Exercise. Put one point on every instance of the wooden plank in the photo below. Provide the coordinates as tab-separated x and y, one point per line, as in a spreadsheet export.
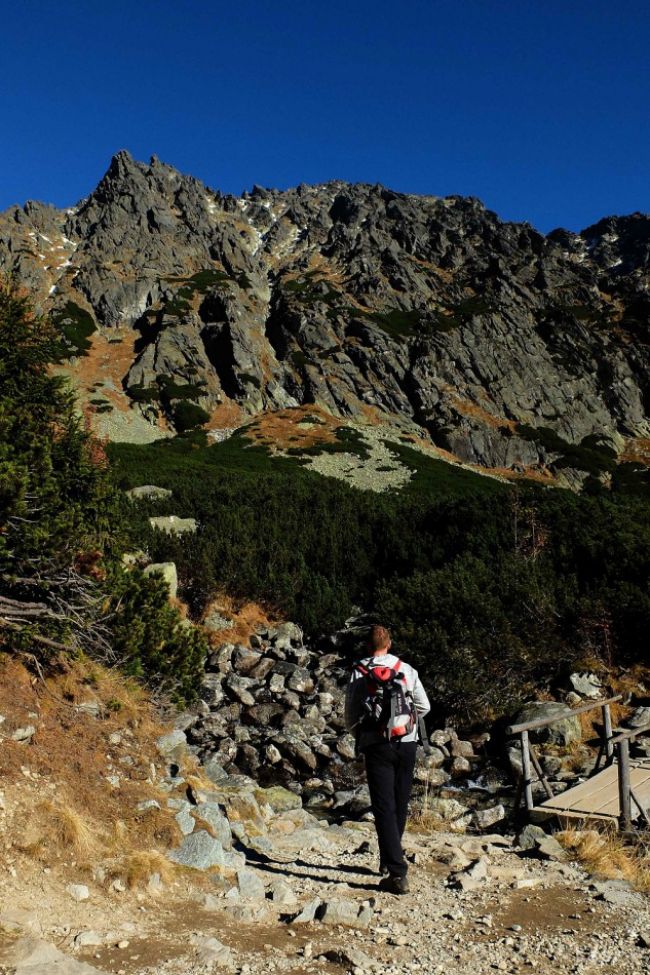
586	793
599	797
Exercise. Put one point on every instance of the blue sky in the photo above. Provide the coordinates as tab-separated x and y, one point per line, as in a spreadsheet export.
539	107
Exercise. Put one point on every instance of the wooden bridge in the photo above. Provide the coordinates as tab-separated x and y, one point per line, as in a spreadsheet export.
618	789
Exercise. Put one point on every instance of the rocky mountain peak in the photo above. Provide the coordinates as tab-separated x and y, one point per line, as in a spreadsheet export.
424	312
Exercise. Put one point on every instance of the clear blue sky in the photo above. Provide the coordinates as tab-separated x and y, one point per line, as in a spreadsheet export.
539	107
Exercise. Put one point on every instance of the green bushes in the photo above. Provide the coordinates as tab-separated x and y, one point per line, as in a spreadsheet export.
490	589
75	326
187	415
63	528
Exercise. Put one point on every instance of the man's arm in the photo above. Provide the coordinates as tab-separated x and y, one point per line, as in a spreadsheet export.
420	699
352	702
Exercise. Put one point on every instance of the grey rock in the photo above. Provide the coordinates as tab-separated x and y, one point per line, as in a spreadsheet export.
529	836
308	912
78	892
484	818
283	894
587	685
200	851
24	735
212	814
250	885
172	745
148	491
173	525
167	571
31	956
565	730
210	951
639	718
348	913
215	622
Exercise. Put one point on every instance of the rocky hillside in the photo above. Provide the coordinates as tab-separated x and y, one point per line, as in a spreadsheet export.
183	306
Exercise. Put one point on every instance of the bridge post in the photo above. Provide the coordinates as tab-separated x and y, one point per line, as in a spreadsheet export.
624	785
607	728
527	770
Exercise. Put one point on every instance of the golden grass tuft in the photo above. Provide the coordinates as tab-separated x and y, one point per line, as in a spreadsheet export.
605	854
66	829
138	867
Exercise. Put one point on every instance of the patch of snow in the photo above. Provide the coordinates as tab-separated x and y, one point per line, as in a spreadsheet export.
43	237
71	211
42	256
610	238
52	290
31	233
260	240
616	263
68	242
211	205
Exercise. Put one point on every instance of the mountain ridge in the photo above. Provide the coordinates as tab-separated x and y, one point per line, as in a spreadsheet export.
507	348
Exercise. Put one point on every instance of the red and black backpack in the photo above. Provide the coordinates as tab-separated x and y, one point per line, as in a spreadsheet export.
389	709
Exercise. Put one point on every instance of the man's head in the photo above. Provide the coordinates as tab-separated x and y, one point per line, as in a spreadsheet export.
378	640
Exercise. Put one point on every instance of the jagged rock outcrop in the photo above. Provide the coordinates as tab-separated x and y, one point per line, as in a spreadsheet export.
507	347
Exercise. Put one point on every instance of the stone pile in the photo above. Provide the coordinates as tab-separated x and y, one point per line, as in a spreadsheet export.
274	711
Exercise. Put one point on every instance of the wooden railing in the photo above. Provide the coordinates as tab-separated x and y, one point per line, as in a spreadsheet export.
610	746
529	759
626	795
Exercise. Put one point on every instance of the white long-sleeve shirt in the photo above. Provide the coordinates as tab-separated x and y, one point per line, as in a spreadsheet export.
356	695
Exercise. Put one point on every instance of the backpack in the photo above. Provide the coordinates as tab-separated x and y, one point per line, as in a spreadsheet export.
389	709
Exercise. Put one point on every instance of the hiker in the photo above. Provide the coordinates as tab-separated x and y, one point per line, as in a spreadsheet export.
385	706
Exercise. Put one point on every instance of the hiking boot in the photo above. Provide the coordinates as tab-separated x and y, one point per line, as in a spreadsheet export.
394	884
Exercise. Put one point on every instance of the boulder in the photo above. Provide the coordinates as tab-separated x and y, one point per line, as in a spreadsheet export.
484	818
564	731
250	885
78	892
151	492
308	912
586	685
168	573
214	622
172	746
200	851
348	913
173	525
282	894
212	814
32	956
278	798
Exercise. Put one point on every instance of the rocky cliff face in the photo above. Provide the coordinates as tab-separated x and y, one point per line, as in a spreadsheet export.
502	345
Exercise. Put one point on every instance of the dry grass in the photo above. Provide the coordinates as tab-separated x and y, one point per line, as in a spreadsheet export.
137	868
246	616
605	854
422	819
68	829
86	821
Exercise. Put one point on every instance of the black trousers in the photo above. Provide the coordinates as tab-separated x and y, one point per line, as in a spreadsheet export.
389	768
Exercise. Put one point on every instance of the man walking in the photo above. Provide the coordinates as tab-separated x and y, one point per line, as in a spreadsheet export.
384	707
